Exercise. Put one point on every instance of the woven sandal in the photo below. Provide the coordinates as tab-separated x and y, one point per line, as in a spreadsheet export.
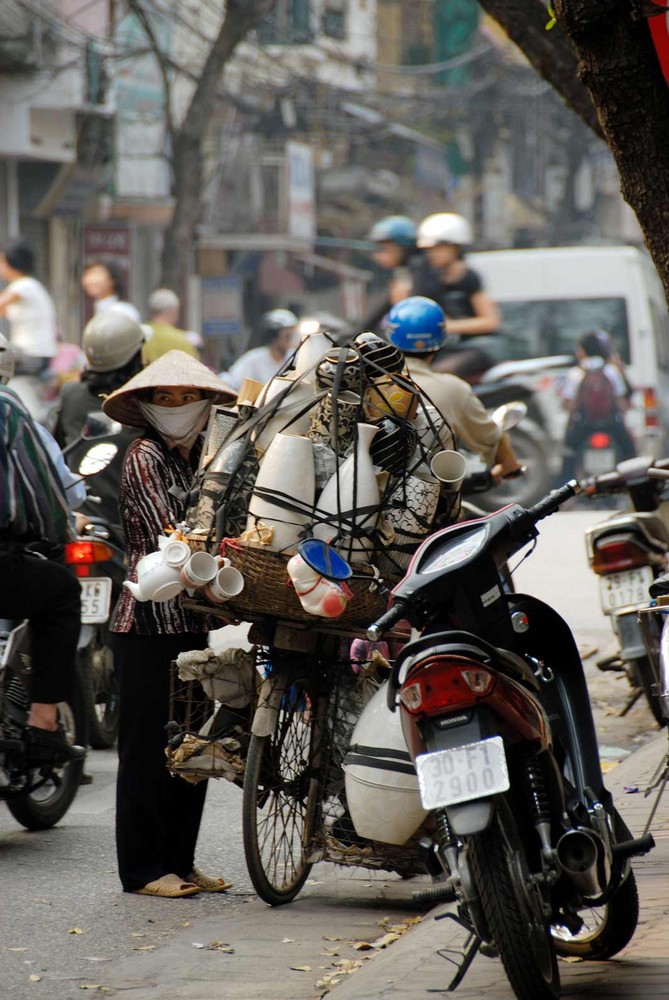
208	884
169	887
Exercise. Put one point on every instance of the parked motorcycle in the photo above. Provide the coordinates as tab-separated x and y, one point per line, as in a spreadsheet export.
37	797
98	559
628	551
497	721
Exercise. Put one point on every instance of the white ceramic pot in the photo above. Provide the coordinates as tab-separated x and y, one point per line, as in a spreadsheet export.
287	470
352	488
156	581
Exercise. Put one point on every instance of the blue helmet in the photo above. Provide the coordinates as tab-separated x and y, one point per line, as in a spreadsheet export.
394	229
416	325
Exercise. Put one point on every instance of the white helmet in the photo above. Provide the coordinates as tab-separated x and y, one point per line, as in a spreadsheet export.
444	227
7	361
110	340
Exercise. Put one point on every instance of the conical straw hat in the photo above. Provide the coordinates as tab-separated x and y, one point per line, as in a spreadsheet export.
174	368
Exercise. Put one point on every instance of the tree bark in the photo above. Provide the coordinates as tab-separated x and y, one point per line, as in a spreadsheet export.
618	64
188	142
550	52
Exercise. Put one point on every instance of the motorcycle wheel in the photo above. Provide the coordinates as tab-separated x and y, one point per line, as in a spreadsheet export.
282	791
527	489
46	806
98	680
609	928
513	908
645	676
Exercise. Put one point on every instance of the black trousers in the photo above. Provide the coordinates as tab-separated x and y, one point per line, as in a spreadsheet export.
49	596
157	815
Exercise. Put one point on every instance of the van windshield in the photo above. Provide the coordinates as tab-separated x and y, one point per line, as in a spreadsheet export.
531	329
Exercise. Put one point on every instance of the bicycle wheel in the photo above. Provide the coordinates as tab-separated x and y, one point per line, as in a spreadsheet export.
281	795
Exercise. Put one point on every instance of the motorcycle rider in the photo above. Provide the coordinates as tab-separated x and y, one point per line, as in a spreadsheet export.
34	512
417	326
277	332
472	316
395	251
112	343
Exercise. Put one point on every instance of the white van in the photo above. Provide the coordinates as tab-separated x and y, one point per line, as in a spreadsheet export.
550	296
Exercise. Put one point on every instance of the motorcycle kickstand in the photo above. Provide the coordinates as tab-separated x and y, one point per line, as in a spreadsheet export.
631	701
464	955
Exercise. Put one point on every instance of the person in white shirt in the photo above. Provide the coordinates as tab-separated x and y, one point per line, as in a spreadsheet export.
32	324
277	329
28	307
103	280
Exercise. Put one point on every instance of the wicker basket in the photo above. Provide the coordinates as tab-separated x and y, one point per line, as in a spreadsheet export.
268	592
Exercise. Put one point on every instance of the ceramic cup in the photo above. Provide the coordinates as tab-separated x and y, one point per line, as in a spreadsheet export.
199	570
227	583
450	468
249	391
410	511
391	396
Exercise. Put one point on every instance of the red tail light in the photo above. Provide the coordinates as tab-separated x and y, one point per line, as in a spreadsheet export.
445	683
83	553
617	553
599	440
650	407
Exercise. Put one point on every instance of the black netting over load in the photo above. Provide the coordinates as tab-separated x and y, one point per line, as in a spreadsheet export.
339	446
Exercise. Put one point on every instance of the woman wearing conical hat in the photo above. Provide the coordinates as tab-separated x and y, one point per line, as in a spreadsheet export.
157	816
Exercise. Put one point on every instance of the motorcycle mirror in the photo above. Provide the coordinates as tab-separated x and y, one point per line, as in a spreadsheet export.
97	459
509	415
98	424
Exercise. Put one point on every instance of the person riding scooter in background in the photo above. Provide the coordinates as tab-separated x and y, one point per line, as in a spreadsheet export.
395	251
418	327
277	331
34	513
473	318
595	394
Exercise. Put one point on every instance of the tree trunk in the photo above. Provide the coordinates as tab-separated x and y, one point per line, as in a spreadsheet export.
550	52
188	142
619	66
614	61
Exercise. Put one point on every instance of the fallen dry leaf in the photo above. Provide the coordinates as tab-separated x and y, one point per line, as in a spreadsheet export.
361	945
300	968
35	979
144	947
186	923
329	952
139	933
76	930
387	939
326	938
17	949
288	941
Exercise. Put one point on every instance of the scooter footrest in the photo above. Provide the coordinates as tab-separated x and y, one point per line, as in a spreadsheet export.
631	848
444	893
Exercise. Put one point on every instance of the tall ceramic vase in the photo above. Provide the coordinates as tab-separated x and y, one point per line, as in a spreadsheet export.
289	413
286	474
310	351
352	489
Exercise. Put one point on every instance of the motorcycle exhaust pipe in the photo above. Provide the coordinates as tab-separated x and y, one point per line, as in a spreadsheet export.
581	856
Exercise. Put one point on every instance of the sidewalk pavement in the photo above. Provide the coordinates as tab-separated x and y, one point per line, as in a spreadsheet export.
307	949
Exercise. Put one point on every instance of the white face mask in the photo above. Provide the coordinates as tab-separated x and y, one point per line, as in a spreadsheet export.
179	424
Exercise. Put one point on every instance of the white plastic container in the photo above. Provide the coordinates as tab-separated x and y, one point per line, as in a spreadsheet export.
381	784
